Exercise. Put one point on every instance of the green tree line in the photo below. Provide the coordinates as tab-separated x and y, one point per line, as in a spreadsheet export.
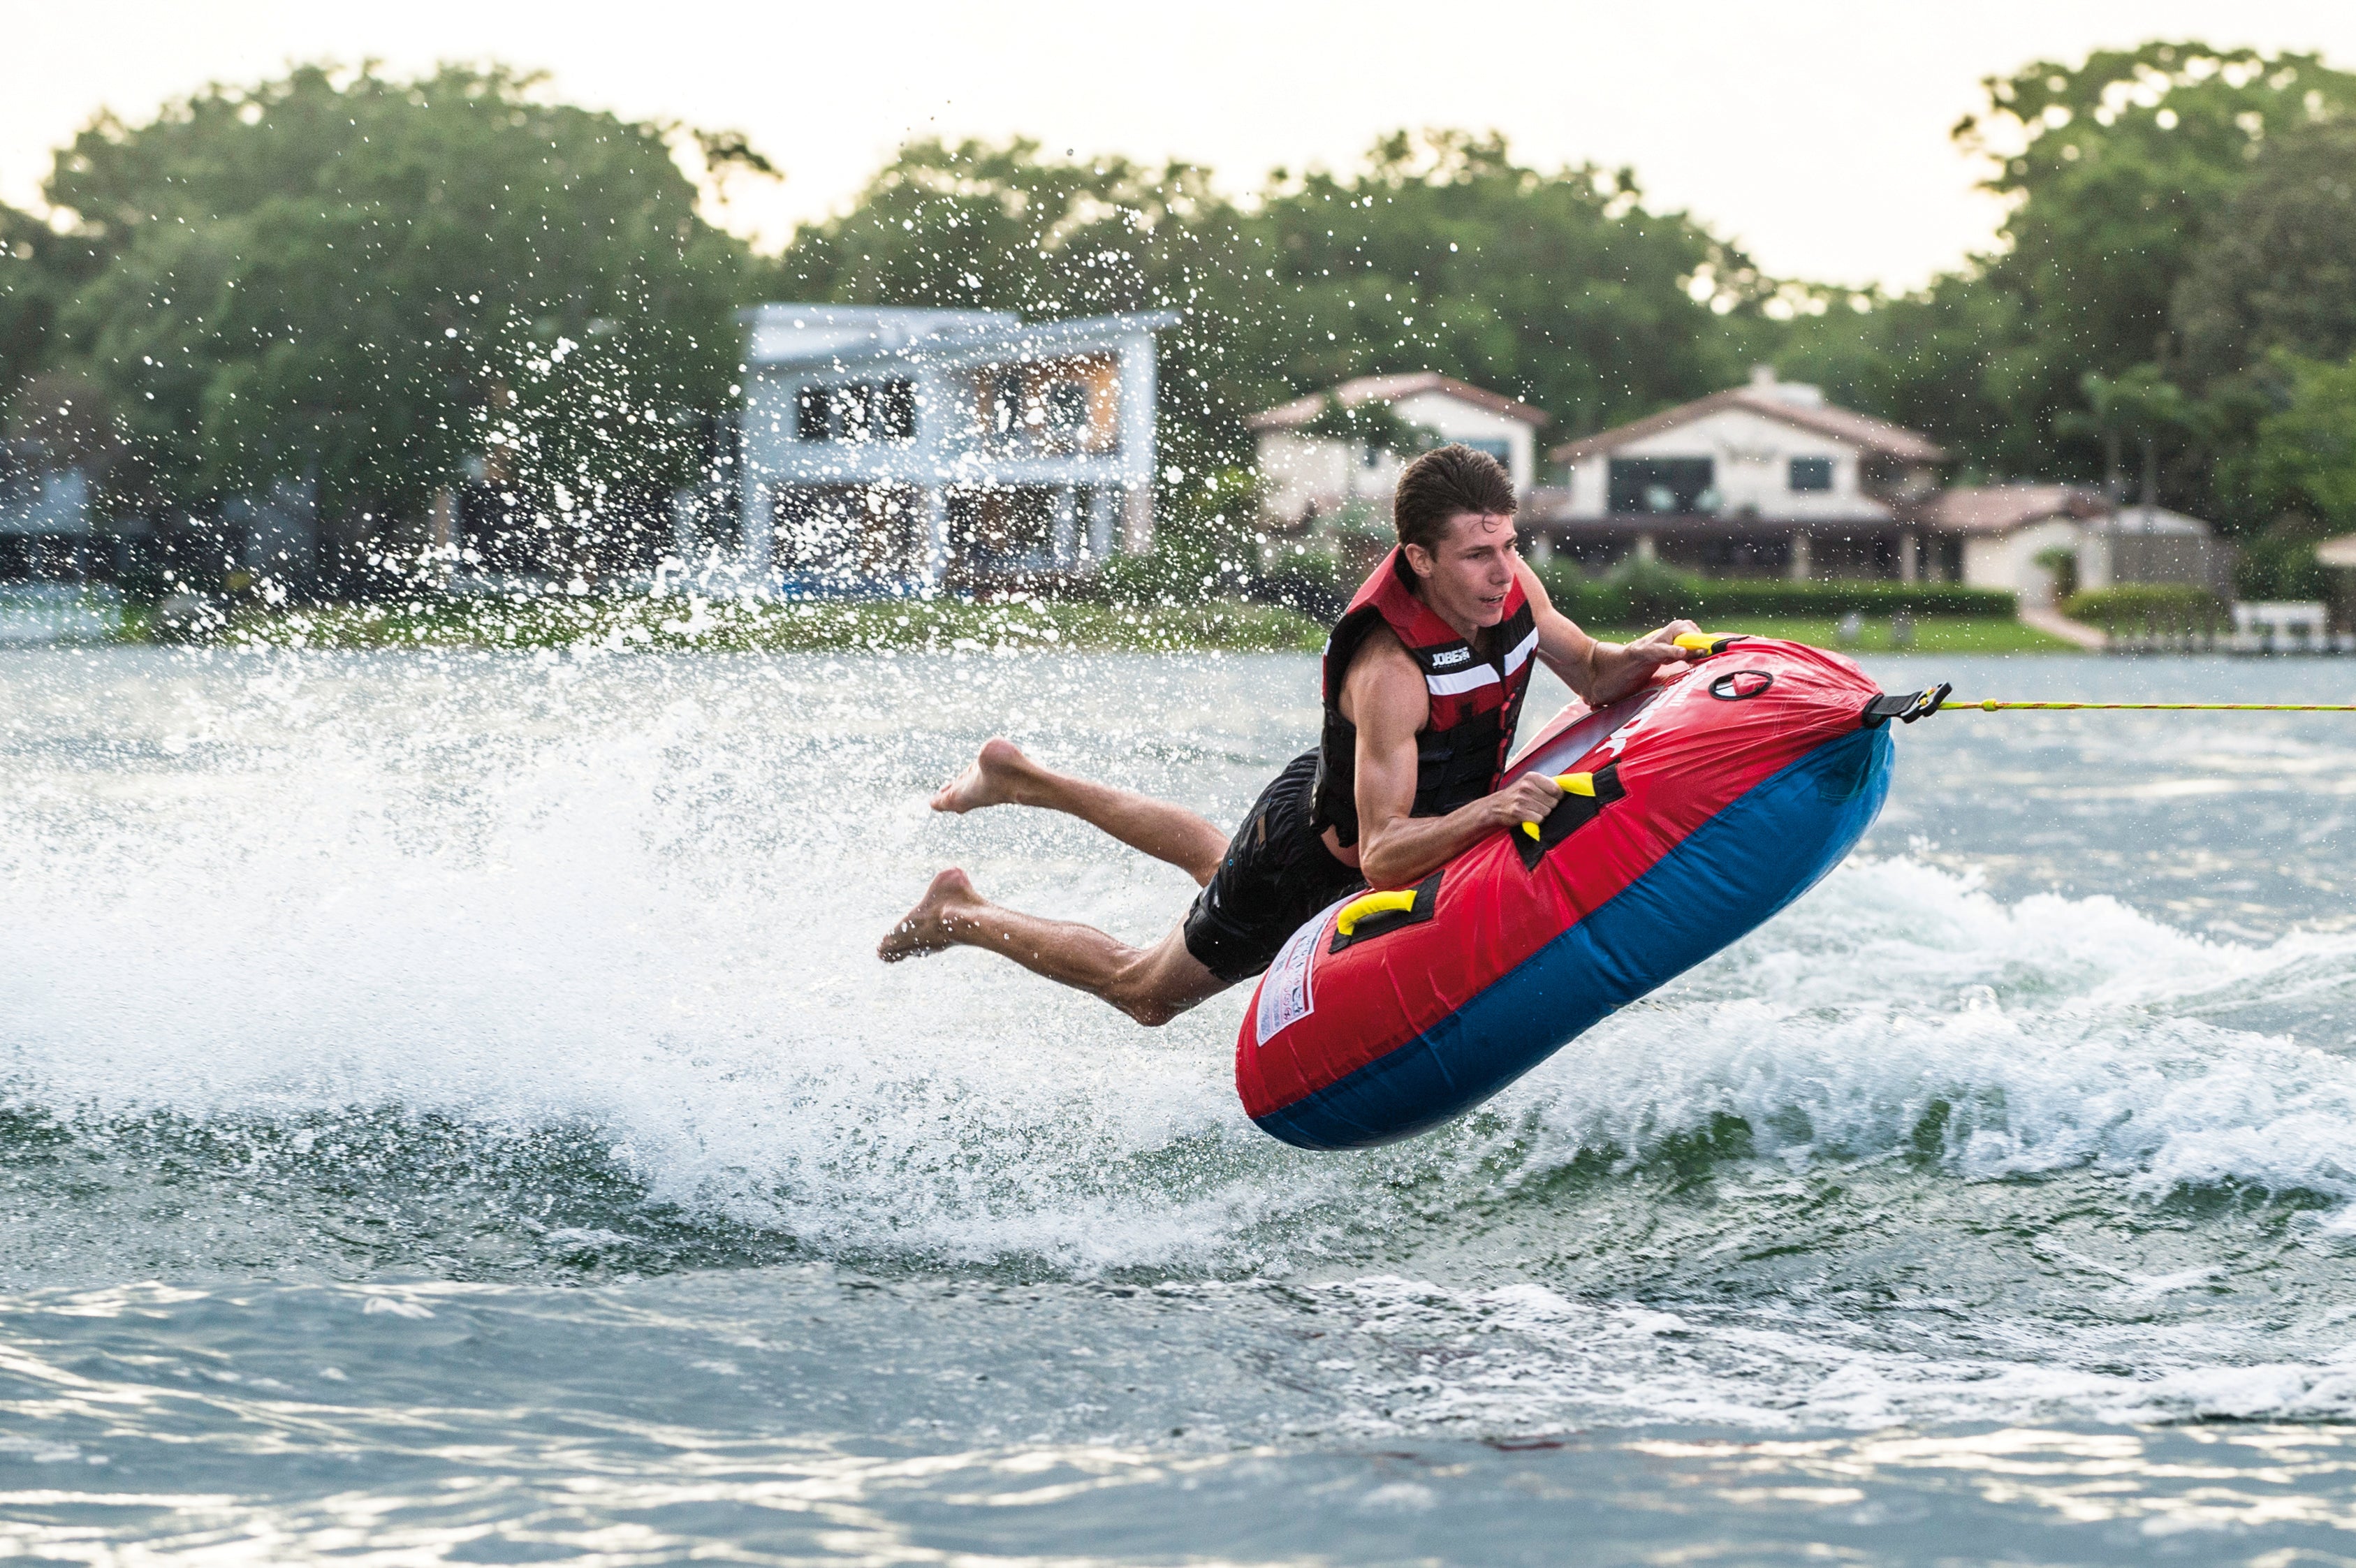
383	284
368	284
1439	252
2171	293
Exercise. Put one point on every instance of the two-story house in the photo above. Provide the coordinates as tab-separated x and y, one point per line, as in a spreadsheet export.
894	449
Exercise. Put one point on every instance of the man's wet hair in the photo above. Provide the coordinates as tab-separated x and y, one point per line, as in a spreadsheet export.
1446	483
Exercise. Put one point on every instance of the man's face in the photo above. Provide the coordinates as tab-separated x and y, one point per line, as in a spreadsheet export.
1467	578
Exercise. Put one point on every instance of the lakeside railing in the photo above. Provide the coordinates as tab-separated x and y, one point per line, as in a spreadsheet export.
2166	631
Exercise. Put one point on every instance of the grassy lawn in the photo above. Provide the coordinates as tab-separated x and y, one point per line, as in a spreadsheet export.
1933	634
736	625
722	626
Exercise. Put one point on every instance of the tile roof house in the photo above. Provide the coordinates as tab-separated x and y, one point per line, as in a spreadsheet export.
1787	402
1770	479
1765	478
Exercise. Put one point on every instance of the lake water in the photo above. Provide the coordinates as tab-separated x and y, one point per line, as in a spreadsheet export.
449	1112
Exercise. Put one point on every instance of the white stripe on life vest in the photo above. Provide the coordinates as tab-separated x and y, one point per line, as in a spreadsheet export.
1521	651
1462	680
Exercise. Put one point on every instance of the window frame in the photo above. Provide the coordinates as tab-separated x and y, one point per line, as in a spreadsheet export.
1829	468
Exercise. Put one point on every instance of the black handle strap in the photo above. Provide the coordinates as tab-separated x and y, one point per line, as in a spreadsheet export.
1570	814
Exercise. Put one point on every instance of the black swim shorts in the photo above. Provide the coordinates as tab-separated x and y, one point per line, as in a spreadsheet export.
1278	873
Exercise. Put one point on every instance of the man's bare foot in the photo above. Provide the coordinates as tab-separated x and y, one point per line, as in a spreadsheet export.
993	779
927	927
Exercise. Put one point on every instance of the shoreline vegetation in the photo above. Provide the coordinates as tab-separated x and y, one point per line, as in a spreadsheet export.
688	624
691	623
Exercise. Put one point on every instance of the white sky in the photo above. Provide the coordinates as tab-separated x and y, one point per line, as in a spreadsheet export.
1813	132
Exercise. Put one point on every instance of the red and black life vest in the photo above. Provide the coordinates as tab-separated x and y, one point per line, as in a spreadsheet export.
1461	750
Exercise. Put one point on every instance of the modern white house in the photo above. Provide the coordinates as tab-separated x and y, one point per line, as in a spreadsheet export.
1308	474
1765	479
886	449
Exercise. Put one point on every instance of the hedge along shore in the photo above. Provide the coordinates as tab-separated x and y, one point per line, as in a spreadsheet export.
692	624
723	625
1932	634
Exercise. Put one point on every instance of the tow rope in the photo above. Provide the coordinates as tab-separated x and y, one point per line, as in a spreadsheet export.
1909	706
1990	705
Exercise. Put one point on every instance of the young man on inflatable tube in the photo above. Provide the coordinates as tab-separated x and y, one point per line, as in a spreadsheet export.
1423	681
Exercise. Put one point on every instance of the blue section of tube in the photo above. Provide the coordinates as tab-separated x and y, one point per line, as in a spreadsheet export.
1730	875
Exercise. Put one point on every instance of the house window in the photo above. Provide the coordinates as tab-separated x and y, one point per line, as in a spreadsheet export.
1812	474
856	411
810	413
895	411
1496	447
1671	485
853	409
1005	404
1068	411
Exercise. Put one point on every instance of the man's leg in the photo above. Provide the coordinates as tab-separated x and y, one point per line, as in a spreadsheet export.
1152	984
1002	775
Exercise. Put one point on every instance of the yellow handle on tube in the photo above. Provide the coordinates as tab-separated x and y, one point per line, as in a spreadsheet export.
1705	643
1358	909
1570	783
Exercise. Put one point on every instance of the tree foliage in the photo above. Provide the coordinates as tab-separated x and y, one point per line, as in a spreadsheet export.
351	277
1563	288
2118	168
40	270
1920	359
2277	274
2130	273
1440	251
374	281
2303	456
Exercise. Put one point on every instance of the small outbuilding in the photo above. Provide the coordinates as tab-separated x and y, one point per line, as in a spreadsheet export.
1995	534
2139	543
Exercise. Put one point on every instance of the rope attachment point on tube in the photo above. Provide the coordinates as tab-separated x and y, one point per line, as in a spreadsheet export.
1906	706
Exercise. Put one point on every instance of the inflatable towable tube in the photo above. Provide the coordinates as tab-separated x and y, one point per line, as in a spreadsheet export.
1693	811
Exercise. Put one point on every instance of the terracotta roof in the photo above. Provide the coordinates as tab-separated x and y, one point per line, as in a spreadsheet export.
1390	390
2000	508
1841	424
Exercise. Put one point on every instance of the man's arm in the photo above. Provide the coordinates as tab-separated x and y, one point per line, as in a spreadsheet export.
1600	672
1388	702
